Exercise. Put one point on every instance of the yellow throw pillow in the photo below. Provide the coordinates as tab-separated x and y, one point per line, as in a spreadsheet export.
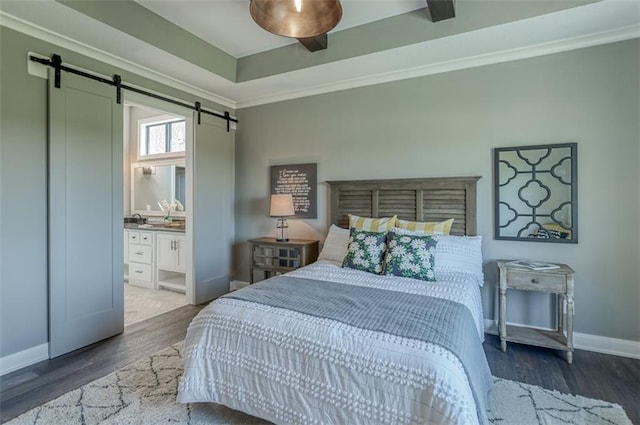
369	224
428	228
557	228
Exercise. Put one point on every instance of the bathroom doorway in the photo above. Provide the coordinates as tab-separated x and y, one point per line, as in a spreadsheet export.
157	278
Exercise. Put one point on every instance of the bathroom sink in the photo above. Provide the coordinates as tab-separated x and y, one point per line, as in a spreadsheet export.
135	220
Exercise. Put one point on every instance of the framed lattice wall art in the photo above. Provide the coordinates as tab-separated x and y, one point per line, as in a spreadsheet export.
536	191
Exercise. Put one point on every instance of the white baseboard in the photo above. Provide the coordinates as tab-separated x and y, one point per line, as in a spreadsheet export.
606	345
588	342
237	284
23	358
595	343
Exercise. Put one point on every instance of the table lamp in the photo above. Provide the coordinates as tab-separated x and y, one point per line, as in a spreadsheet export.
281	207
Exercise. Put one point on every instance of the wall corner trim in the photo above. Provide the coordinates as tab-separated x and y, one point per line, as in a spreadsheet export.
588	342
23	358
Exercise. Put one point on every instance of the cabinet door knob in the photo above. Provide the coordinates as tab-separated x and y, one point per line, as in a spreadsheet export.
139	253
534	280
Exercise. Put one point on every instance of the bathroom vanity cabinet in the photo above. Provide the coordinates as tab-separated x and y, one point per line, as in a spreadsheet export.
171	261
155	259
141	249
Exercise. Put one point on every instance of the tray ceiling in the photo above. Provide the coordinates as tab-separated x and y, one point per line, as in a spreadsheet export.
214	50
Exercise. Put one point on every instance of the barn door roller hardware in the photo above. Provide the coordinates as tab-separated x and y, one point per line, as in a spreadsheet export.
56	63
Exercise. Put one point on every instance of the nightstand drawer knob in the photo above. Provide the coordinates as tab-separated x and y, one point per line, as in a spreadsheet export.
534	280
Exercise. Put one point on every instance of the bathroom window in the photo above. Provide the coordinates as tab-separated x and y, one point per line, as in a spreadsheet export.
163	137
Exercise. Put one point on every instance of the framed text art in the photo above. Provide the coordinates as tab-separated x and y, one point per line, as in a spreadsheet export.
301	181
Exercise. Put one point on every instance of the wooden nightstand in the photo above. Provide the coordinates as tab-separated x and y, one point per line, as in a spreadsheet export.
273	257
555	281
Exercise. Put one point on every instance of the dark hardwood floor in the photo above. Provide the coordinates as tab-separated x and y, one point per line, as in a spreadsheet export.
36	384
594	375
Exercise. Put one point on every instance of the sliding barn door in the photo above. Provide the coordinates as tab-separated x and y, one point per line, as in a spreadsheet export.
213	195
85	214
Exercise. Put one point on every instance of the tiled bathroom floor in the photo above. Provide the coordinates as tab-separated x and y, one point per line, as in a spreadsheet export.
142	303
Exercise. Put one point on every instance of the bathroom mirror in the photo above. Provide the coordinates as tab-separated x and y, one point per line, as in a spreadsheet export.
153	183
536	193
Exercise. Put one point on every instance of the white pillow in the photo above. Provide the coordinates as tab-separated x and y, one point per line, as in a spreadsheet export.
455	254
461	254
335	245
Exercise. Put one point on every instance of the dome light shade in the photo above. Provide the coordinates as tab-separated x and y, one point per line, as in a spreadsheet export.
296	18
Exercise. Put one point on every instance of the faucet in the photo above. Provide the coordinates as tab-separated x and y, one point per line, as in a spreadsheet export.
139	218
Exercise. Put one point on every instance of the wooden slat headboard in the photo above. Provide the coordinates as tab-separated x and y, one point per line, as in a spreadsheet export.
425	199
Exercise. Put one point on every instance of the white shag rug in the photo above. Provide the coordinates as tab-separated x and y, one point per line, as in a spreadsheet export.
144	393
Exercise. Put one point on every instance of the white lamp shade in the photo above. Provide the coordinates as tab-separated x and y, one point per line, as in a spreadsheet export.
281	205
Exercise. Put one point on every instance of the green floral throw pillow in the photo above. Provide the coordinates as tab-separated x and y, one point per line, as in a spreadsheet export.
411	256
365	251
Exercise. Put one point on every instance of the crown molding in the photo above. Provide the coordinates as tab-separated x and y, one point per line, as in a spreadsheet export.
558	46
44	34
573	43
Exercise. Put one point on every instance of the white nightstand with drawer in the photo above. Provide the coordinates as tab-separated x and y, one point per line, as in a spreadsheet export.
554	281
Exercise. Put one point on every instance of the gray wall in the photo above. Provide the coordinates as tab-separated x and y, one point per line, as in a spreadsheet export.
432	126
23	185
447	125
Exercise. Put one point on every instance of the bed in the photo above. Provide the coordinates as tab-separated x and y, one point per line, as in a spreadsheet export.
331	345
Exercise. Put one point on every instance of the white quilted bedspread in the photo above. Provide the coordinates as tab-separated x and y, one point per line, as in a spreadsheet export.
291	368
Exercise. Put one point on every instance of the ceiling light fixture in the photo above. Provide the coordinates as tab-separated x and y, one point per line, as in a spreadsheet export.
296	18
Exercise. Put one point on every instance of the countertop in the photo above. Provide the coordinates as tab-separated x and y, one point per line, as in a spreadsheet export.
155	227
